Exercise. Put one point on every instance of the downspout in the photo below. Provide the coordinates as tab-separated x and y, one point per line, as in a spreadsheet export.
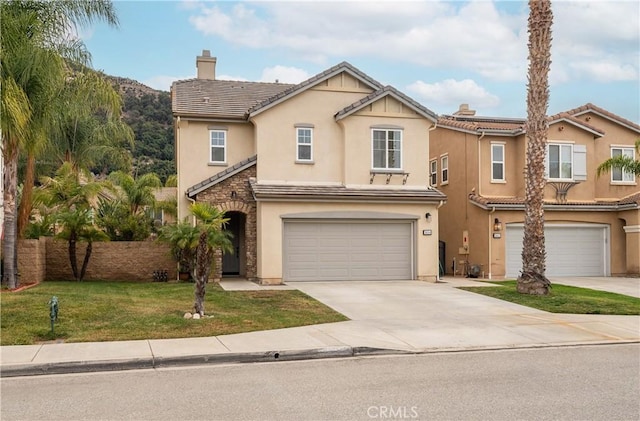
493	209
480	165
442	202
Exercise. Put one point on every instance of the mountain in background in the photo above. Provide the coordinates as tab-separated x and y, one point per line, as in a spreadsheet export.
148	112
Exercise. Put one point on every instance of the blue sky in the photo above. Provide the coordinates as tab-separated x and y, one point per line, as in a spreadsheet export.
441	53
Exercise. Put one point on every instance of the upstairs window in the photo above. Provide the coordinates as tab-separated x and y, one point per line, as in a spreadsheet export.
433	172
218	139
560	161
387	149
444	166
304	144
497	162
617	175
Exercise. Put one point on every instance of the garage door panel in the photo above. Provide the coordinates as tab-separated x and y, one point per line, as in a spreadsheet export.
571	250
347	251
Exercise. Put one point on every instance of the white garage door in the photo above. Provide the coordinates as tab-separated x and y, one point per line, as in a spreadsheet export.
572	250
359	251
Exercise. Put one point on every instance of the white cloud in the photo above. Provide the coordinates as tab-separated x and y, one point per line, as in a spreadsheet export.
284	74
451	93
485	38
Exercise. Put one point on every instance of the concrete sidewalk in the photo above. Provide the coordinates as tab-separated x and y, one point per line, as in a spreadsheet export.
386	317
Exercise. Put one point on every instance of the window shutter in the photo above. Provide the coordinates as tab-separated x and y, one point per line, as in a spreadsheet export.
579	162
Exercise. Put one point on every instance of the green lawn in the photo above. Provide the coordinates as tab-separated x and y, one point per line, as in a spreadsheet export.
565	299
117	311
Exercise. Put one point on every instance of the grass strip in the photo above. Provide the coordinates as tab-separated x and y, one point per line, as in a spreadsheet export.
565	299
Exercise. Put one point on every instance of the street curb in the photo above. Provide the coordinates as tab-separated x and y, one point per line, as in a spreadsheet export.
26	370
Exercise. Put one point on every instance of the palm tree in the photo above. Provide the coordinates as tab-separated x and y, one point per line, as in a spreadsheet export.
137	193
532	280
621	162
77	225
69	198
35	42
183	240
74	132
212	236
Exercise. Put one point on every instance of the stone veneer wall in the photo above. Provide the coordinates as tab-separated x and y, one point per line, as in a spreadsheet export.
220	195
110	261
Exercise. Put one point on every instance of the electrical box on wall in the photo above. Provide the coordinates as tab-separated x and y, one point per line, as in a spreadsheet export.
465	243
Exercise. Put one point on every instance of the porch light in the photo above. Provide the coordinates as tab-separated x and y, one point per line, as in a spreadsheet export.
428	216
497	225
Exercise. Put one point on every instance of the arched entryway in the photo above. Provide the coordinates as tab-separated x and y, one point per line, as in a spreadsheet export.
235	263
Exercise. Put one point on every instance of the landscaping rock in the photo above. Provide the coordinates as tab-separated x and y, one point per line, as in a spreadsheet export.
187	315
196	316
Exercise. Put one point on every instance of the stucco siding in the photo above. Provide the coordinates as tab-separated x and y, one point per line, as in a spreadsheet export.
276	137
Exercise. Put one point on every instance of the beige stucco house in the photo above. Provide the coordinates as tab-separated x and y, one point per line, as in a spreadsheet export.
592	224
323	180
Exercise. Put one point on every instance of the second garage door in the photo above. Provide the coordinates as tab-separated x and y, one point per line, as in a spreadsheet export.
358	251
572	250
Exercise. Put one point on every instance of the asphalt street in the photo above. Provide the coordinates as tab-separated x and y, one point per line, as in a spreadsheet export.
600	382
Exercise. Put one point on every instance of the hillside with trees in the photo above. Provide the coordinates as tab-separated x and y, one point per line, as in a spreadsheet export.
148	112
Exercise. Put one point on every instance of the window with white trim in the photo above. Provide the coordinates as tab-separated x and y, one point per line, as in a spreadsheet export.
617	174
386	149
304	144
433	172
497	162
218	143
444	168
560	161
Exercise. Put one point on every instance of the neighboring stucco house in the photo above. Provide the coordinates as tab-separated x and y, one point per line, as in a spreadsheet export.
592	224
323	180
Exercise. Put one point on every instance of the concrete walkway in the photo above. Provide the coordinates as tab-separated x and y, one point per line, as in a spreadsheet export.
386	317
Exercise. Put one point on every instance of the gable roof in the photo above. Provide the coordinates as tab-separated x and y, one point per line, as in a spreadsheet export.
312	81
381	93
499	126
220	98
590	108
221	176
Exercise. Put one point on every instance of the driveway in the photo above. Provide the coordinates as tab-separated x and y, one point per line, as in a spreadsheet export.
413	315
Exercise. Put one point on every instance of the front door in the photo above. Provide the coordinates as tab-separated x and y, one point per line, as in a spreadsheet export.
231	261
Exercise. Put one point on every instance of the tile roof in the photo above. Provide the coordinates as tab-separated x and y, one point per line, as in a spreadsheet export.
517	203
324	192
302	86
221	176
220	98
575	121
381	93
589	107
508	126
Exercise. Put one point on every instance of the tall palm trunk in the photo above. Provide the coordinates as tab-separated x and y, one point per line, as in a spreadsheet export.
73	258
204	257
9	251
85	262
532	279
26	202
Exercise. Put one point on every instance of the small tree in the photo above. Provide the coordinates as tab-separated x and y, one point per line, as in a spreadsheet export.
77	225
183	240
212	236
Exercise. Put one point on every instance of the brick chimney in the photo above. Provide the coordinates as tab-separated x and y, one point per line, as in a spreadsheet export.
465	111
206	66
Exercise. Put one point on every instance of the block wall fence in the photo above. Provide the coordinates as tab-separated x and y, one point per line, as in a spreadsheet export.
47	259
